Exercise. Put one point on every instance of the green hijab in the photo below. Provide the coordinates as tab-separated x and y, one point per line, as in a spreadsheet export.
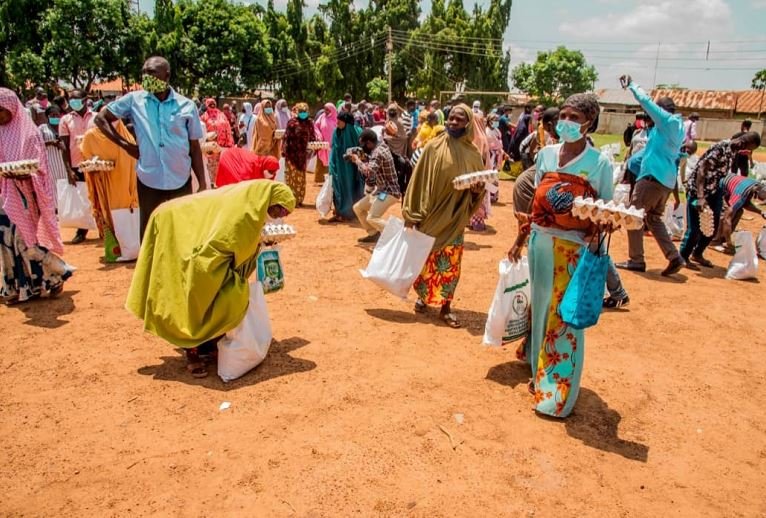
431	202
191	279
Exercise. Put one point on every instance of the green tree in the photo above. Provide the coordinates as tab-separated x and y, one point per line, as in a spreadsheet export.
222	48
85	39
377	89
555	75
20	40
25	67
759	83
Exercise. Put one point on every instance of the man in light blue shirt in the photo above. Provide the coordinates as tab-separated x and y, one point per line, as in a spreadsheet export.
656	179
168	129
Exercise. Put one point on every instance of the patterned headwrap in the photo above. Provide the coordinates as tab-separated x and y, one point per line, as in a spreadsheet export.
301	107
29	202
587	104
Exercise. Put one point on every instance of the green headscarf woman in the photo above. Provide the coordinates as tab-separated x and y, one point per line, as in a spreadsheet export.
191	280
434	206
347	183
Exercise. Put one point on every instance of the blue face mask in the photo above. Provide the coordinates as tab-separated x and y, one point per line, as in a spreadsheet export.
76	104
268	111
496	124
456	133
53	121
569	131
303	115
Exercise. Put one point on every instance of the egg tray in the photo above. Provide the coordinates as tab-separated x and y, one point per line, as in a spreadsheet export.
277	233
279	134
318	145
707	222
468	180
19	168
95	165
608	213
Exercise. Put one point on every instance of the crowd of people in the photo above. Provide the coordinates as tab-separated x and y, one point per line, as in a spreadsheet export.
191	282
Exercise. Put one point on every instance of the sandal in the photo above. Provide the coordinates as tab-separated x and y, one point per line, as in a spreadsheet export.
420	306
451	320
197	369
531	386
702	261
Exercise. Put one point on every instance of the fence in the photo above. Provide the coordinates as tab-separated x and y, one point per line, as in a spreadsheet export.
707	129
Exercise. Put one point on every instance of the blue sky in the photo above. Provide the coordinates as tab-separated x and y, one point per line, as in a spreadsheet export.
622	36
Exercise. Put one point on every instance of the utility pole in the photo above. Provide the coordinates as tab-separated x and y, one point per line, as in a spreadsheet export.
389	60
656	62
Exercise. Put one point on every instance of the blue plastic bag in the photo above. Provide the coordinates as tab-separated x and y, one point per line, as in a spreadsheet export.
583	299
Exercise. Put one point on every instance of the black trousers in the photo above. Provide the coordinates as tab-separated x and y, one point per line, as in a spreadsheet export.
149	199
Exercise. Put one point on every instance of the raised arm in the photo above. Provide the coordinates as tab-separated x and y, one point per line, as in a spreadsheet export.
658	115
104	121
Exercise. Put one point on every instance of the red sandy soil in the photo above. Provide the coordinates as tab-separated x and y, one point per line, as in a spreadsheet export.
344	417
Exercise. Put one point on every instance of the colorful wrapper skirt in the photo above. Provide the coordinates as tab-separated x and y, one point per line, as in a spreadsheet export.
438	280
296	181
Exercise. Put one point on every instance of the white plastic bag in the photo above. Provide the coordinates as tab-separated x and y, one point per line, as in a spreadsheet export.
324	198
618	172
311	165
398	257
127	223
245	347
280	177
761	243
622	194
509	316
74	206
675	220
744	265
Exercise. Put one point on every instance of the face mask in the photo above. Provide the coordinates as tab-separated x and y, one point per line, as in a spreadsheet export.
303	116
569	131
684	155
496	124
76	104
285	110
54	121
153	85
392	115
268	111
456	133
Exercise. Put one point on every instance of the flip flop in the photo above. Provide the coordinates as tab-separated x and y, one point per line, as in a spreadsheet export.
420	307
197	369
451	320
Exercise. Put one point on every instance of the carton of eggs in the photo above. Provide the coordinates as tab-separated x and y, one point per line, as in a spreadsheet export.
210	147
707	222
279	134
95	165
318	145
276	233
19	168
608	213
468	180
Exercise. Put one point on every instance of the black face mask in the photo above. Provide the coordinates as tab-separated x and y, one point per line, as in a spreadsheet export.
456	133
392	115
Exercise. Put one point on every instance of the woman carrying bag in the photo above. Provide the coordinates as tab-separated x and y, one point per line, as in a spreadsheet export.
557	242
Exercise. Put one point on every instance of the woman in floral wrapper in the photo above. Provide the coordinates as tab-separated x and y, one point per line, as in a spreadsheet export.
564	171
299	132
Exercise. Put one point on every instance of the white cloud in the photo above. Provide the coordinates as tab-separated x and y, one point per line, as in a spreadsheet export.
759	4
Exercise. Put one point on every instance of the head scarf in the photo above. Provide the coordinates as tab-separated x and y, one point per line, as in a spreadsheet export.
216	121
587	104
480	137
347	183
302	107
431	201
191	281
346	117
265	124
248	108
239	165
325	126
299	133
282	118
29	202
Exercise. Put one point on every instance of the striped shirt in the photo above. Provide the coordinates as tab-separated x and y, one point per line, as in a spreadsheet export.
738	190
56	167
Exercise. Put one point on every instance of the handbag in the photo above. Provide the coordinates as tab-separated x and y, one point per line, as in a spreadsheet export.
583	300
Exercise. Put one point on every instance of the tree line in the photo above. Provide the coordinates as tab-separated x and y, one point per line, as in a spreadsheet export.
222	48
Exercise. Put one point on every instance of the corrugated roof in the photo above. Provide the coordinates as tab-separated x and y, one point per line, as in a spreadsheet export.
112	86
699	99
749	101
616	96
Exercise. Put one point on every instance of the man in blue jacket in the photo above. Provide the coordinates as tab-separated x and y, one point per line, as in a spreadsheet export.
656	180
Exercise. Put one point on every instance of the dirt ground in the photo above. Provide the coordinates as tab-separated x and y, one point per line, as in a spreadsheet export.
344	417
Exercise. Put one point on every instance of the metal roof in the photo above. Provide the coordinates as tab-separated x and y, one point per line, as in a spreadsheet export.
616	96
750	101
699	99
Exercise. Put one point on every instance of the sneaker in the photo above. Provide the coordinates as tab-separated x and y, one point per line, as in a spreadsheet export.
612	303
370	239
627	265
674	267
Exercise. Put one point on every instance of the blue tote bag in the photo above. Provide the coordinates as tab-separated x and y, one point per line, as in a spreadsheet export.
583	299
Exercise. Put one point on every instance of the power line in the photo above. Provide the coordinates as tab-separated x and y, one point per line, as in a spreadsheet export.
356	48
336	60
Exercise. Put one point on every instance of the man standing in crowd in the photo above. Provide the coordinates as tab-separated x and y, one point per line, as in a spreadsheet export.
381	185
410	122
705	189
168	130
690	128
744	159
656	180
72	127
